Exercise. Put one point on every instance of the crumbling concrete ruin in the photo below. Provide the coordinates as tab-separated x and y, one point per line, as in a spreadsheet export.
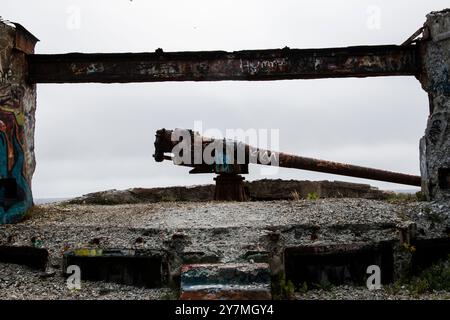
435	80
17	108
225	249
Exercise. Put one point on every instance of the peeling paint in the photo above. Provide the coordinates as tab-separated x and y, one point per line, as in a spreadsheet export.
17	105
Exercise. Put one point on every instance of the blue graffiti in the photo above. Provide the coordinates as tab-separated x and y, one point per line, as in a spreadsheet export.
222	163
15	212
442	86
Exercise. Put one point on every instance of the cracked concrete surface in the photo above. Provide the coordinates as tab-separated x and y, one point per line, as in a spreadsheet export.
217	232
226	230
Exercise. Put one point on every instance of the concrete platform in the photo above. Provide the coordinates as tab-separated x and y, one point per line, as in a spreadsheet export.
230	232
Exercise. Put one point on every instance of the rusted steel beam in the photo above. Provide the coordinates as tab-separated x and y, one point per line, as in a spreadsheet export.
277	64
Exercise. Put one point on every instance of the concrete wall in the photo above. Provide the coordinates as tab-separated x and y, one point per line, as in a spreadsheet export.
435	145
17	107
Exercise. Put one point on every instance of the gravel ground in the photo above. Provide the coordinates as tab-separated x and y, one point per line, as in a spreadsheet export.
224	229
362	293
176	215
20	282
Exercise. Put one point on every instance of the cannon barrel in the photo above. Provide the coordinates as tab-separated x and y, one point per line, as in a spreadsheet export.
296	162
164	143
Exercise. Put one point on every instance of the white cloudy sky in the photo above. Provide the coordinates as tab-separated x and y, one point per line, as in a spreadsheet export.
93	137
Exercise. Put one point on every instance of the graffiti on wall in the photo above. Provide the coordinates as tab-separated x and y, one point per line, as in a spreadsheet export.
15	192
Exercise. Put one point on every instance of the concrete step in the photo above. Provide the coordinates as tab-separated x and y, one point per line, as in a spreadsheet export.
140	268
25	255
229	281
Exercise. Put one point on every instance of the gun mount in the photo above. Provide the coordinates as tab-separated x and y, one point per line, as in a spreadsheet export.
229	159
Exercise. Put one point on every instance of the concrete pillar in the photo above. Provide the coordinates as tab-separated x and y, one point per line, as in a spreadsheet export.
17	108
435	145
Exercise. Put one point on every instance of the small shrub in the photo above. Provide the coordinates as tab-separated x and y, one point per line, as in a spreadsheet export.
303	289
418	286
436	277
420	196
409	248
312	196
402	197
324	285
171	295
394	288
295	196
168	198
285	288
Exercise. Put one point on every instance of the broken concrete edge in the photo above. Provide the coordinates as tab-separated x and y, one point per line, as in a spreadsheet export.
435	80
265	189
17	109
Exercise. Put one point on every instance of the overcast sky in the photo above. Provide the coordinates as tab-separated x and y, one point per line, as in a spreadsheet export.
92	137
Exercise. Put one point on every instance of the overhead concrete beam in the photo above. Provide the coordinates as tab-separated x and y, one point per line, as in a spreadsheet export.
278	64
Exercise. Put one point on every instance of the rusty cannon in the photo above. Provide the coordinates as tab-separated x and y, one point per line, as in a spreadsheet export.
229	159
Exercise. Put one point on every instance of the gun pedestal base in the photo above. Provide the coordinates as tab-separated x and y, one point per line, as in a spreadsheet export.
230	187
